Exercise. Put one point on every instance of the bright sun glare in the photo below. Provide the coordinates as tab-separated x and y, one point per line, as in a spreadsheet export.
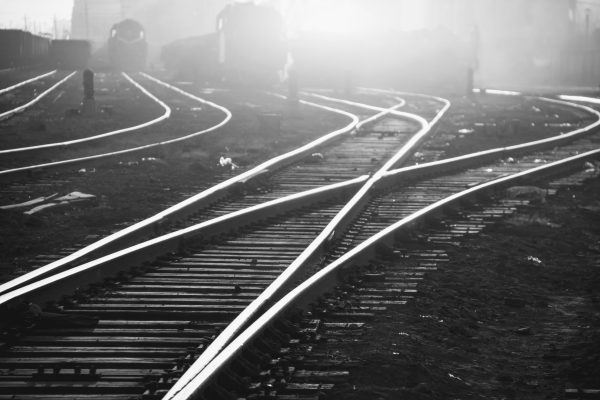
331	19
349	17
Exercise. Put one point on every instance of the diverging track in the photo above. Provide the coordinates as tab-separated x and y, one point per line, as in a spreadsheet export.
348	155
167	323
416	203
232	269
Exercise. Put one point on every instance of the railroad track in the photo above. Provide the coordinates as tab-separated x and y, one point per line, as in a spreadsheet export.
49	81
13	169
264	245
286	185
14	86
247	260
249	358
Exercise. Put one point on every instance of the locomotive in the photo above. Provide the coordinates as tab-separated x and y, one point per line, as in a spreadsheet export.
247	47
127	47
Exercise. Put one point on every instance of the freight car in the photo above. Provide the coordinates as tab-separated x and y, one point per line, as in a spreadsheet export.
127	47
246	48
21	49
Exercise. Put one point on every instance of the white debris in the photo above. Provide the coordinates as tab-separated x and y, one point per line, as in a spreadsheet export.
75	196
534	260
589	167
227	161
454	376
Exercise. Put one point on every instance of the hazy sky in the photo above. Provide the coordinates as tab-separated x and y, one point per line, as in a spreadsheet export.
38	11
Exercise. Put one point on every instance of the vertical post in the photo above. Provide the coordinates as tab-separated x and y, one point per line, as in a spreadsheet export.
470	81
88	84
89	104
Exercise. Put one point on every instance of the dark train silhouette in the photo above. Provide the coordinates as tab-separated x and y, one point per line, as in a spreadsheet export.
22	49
127	47
247	48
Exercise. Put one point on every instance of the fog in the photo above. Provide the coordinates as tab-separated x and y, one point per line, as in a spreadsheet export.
414	43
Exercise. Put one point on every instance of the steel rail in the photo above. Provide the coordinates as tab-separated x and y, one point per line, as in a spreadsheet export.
71	280
25	82
68	281
328	277
166	114
415	140
460	162
121	238
187	207
584	99
114	240
186	388
370	107
314	250
361	125
10	113
129	150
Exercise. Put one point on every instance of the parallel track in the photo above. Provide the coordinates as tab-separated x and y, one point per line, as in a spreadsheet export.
208	282
339	156
374	228
241	266
4	114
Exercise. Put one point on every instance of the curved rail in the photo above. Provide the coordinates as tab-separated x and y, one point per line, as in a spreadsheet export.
25	82
374	108
165	115
314	250
326	278
361	125
10	113
11	289
187	206
131	149
70	280
584	99
465	160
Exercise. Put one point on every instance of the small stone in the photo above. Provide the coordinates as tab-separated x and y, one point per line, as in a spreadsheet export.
525	331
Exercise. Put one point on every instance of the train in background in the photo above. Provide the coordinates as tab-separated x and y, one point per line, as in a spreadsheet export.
247	47
127	47
22	49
